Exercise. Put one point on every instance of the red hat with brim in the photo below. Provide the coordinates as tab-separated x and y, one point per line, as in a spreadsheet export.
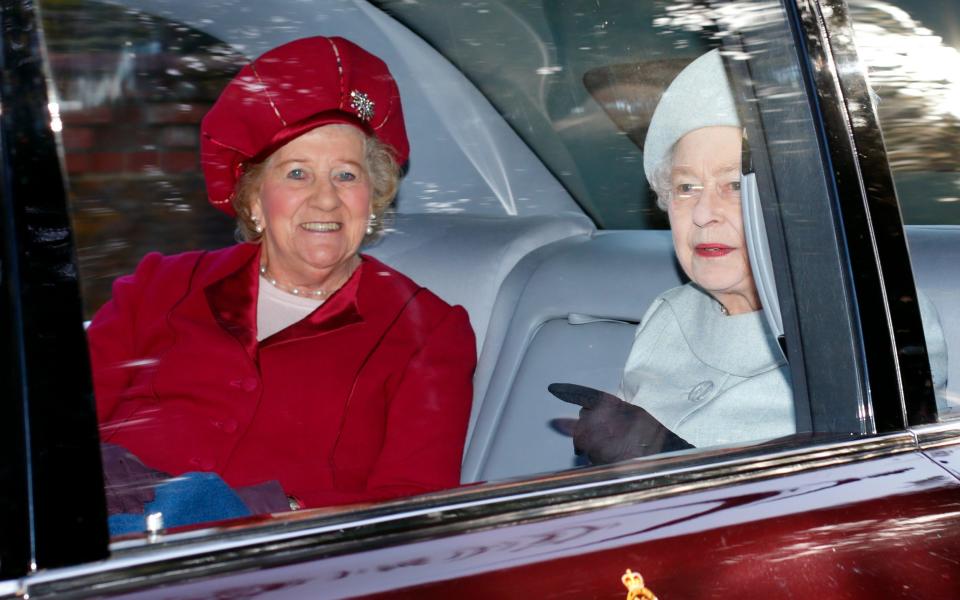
285	93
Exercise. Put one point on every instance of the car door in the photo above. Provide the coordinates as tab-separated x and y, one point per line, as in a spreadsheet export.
860	503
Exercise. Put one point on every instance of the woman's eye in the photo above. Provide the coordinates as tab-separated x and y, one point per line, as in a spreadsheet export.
345	176
688	189
731	190
297	173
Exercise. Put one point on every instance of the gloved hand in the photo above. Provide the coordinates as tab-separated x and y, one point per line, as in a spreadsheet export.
264	498
610	430
128	483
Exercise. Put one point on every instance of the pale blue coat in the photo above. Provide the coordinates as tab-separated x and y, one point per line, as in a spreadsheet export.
717	379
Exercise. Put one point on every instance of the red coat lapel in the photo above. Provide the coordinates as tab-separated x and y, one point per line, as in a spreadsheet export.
340	310
230	286
231	282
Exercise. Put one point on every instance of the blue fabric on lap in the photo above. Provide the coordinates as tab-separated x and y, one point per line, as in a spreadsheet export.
191	498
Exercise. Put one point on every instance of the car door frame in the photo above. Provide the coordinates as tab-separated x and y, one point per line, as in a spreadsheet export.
866	278
52	478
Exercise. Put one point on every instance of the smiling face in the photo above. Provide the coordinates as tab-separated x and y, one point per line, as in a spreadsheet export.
314	203
706	218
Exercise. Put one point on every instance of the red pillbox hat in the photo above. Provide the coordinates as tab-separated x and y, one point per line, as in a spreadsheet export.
288	91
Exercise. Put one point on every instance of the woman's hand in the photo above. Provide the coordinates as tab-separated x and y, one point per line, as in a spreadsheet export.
265	498
610	430
129	484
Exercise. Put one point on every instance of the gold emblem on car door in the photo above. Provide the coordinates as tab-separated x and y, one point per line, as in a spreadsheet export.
635	588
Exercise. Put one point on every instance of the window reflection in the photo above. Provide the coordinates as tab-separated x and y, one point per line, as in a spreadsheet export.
912	52
578	80
131	90
916	73
558	72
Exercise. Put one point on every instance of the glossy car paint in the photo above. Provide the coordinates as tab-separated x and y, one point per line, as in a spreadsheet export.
798	536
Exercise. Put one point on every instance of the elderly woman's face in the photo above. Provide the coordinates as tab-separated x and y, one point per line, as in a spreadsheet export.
314	203
706	218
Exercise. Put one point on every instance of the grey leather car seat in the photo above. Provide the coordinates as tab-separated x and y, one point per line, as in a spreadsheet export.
567	313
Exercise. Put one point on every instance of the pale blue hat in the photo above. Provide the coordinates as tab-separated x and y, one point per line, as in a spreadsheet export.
700	96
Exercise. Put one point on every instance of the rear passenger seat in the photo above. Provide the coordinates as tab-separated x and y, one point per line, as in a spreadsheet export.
935	255
567	312
464	259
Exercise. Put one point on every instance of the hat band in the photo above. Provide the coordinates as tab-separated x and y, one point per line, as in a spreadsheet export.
291	132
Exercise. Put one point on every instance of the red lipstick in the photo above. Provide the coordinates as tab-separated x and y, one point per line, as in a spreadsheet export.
712	250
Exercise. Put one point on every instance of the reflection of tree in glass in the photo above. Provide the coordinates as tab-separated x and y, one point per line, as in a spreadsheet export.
917	77
530	58
132	89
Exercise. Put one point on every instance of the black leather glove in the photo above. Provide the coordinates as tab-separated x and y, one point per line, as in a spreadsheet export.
610	430
128	482
264	498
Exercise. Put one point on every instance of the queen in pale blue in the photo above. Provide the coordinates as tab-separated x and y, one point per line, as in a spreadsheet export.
704	361
705	369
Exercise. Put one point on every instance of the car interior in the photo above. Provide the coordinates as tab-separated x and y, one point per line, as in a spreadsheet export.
482	221
551	297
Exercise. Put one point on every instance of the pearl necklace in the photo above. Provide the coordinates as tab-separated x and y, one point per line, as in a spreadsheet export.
303	293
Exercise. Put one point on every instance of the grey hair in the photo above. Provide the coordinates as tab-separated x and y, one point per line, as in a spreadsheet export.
382	168
661	182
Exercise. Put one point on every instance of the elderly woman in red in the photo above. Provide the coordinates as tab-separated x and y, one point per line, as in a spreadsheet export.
291	357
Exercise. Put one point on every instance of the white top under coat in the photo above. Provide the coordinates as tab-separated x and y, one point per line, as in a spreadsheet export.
277	310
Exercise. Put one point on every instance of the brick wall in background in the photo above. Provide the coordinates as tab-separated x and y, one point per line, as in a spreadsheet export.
132	91
135	187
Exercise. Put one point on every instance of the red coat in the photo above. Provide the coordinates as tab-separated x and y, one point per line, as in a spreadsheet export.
367	398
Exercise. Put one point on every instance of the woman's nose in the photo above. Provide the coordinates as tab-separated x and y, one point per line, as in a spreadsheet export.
324	196
708	207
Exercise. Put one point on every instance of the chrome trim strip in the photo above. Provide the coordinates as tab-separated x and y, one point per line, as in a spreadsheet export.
296	537
938	435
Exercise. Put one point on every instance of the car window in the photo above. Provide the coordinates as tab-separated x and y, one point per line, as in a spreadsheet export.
525	201
568	82
912	52
131	90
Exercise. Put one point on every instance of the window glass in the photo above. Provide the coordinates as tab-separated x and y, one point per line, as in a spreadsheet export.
526	133
131	90
576	79
912	52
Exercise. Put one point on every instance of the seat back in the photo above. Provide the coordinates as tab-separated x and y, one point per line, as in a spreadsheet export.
567	313
465	259
935	256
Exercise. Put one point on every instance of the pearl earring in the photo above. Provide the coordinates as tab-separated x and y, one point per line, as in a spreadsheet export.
256	224
371	224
